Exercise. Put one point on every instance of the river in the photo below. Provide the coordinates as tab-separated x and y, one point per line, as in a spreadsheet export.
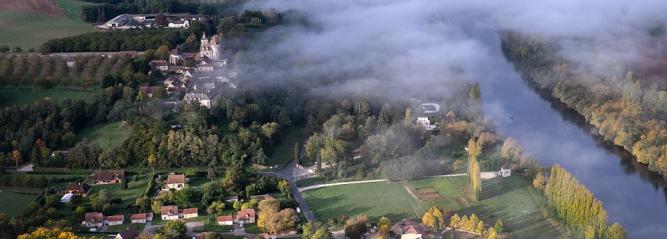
634	197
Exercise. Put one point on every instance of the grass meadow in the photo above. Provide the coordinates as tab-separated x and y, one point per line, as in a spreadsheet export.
521	208
15	203
19	95
30	30
106	136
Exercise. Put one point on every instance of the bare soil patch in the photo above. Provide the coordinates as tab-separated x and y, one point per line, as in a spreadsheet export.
427	194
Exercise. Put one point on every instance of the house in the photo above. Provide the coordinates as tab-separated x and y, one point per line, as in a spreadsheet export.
201	98
93	219
174	181
425	123
78	188
127	234
114	220
505	171
225	220
169	212
109	176
141	217
159	65
189	213
246	216
410	230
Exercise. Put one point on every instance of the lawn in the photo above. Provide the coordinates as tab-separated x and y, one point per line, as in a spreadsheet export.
30	30
283	153
15	203
374	199
217	228
135	188
18	95
252	228
123	227
106	136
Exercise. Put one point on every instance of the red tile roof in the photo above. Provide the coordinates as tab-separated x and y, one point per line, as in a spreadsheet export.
190	210
175	178
115	218
108	175
246	214
169	210
138	216
226	218
94	217
78	187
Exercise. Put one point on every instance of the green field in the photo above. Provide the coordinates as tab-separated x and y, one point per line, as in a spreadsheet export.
30	30
513	199
106	136
15	203
373	199
19	95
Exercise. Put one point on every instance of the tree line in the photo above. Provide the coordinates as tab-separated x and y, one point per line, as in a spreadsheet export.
577	207
128	40
87	71
624	112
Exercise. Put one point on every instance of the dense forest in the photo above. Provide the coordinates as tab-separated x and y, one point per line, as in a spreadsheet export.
625	112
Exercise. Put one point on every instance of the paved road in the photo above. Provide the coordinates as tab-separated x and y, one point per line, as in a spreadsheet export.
288	174
341	183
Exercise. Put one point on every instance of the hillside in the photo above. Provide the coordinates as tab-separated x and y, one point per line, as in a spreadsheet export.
46	7
29	23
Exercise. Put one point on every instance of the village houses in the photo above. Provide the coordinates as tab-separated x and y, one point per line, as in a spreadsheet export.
172	212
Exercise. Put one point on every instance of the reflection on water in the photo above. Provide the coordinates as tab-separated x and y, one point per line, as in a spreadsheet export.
632	195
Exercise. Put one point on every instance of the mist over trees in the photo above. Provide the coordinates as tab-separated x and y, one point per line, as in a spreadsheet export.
623	111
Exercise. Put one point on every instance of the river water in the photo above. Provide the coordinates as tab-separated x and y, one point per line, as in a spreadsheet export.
633	197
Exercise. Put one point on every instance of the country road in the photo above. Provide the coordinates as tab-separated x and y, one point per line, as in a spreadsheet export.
288	174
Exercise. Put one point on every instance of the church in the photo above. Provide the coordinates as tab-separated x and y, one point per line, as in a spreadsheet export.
211	49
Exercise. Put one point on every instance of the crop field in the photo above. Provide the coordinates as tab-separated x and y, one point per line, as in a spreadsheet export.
30	29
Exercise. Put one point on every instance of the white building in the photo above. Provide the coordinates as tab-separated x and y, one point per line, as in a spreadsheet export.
505	172
179	24
425	123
